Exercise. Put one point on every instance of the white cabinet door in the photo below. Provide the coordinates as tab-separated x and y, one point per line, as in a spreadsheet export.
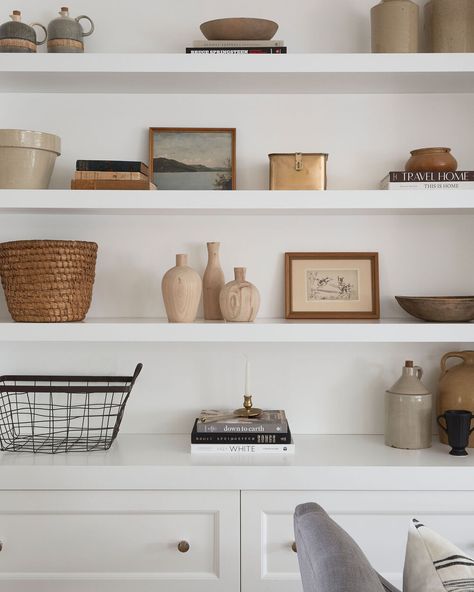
378	521
119	541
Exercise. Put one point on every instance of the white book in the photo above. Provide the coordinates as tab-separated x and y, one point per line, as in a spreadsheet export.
243	448
238	43
428	185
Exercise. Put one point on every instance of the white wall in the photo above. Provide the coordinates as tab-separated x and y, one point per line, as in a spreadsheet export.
325	388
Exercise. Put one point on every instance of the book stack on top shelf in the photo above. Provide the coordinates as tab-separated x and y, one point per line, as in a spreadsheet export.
428	180
222	432
111	174
237	47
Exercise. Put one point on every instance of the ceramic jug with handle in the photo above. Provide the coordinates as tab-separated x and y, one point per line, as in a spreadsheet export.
18	37
456	387
65	34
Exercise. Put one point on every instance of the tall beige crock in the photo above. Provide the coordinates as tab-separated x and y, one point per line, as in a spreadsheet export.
456	387
27	158
449	26
395	27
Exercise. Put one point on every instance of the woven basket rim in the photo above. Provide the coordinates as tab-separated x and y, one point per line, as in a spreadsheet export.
47	242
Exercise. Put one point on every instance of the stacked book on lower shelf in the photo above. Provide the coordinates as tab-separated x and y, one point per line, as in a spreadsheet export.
428	180
111	174
221	432
237	47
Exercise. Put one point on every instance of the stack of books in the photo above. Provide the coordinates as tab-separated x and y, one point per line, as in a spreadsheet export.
239	47
111	174
268	433
447	180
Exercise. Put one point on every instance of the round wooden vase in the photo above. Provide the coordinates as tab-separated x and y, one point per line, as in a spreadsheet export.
212	283
239	299
456	387
181	287
395	25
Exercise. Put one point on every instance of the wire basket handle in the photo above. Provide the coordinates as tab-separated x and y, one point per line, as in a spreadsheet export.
136	374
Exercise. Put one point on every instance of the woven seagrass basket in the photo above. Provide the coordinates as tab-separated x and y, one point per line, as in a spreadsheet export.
48	281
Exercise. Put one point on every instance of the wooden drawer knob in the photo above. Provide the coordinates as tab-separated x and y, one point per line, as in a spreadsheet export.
293	547
183	546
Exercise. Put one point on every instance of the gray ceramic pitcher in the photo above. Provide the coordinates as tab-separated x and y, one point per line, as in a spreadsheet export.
65	34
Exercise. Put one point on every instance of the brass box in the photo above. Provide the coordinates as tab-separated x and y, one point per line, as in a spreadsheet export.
298	171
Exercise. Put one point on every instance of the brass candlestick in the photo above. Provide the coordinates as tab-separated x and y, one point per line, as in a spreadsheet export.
248	410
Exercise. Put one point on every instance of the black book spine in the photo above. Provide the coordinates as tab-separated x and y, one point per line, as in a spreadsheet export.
431	177
236	50
118	166
240	438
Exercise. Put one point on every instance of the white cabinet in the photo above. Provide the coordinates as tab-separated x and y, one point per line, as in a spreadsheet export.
378	521
119	541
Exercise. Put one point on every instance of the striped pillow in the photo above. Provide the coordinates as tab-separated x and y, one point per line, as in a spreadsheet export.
433	564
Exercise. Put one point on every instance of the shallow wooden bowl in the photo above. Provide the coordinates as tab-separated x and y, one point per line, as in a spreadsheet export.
439	309
238	29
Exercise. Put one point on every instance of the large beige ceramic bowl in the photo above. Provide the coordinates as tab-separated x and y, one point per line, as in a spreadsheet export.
238	29
27	158
439	309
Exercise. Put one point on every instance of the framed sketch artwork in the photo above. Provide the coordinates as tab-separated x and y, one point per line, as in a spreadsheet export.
192	158
332	286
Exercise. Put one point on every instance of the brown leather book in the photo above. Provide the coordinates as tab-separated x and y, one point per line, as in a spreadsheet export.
98	184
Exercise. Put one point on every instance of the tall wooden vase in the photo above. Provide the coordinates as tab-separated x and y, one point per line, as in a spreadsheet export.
181	287
239	299
212	283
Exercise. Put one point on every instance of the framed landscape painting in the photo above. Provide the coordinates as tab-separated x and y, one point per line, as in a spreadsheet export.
332	286
192	158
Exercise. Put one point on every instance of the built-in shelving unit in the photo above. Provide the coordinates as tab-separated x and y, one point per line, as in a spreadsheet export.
64	201
178	73
262	331
320	463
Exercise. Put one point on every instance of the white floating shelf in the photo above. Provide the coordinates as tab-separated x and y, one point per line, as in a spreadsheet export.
262	331
323	462
65	201
292	73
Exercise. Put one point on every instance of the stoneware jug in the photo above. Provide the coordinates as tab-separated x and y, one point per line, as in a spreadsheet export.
449	26
239	299
212	283
181	288
18	37
456	387
408	411
395	25
65	34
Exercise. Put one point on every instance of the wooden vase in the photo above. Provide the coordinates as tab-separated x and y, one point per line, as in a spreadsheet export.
181	287
239	299
212	283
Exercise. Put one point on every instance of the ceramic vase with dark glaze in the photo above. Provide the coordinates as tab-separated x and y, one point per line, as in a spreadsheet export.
18	37
456	387
65	34
395	25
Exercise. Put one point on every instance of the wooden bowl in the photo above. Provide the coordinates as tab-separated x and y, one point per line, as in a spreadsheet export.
439	309
238	29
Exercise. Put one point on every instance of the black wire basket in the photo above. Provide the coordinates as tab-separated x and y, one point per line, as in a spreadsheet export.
51	414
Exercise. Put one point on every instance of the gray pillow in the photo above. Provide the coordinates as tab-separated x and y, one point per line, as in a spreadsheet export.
330	560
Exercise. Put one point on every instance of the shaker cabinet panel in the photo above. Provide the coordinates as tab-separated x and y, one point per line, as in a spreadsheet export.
120	541
378	521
